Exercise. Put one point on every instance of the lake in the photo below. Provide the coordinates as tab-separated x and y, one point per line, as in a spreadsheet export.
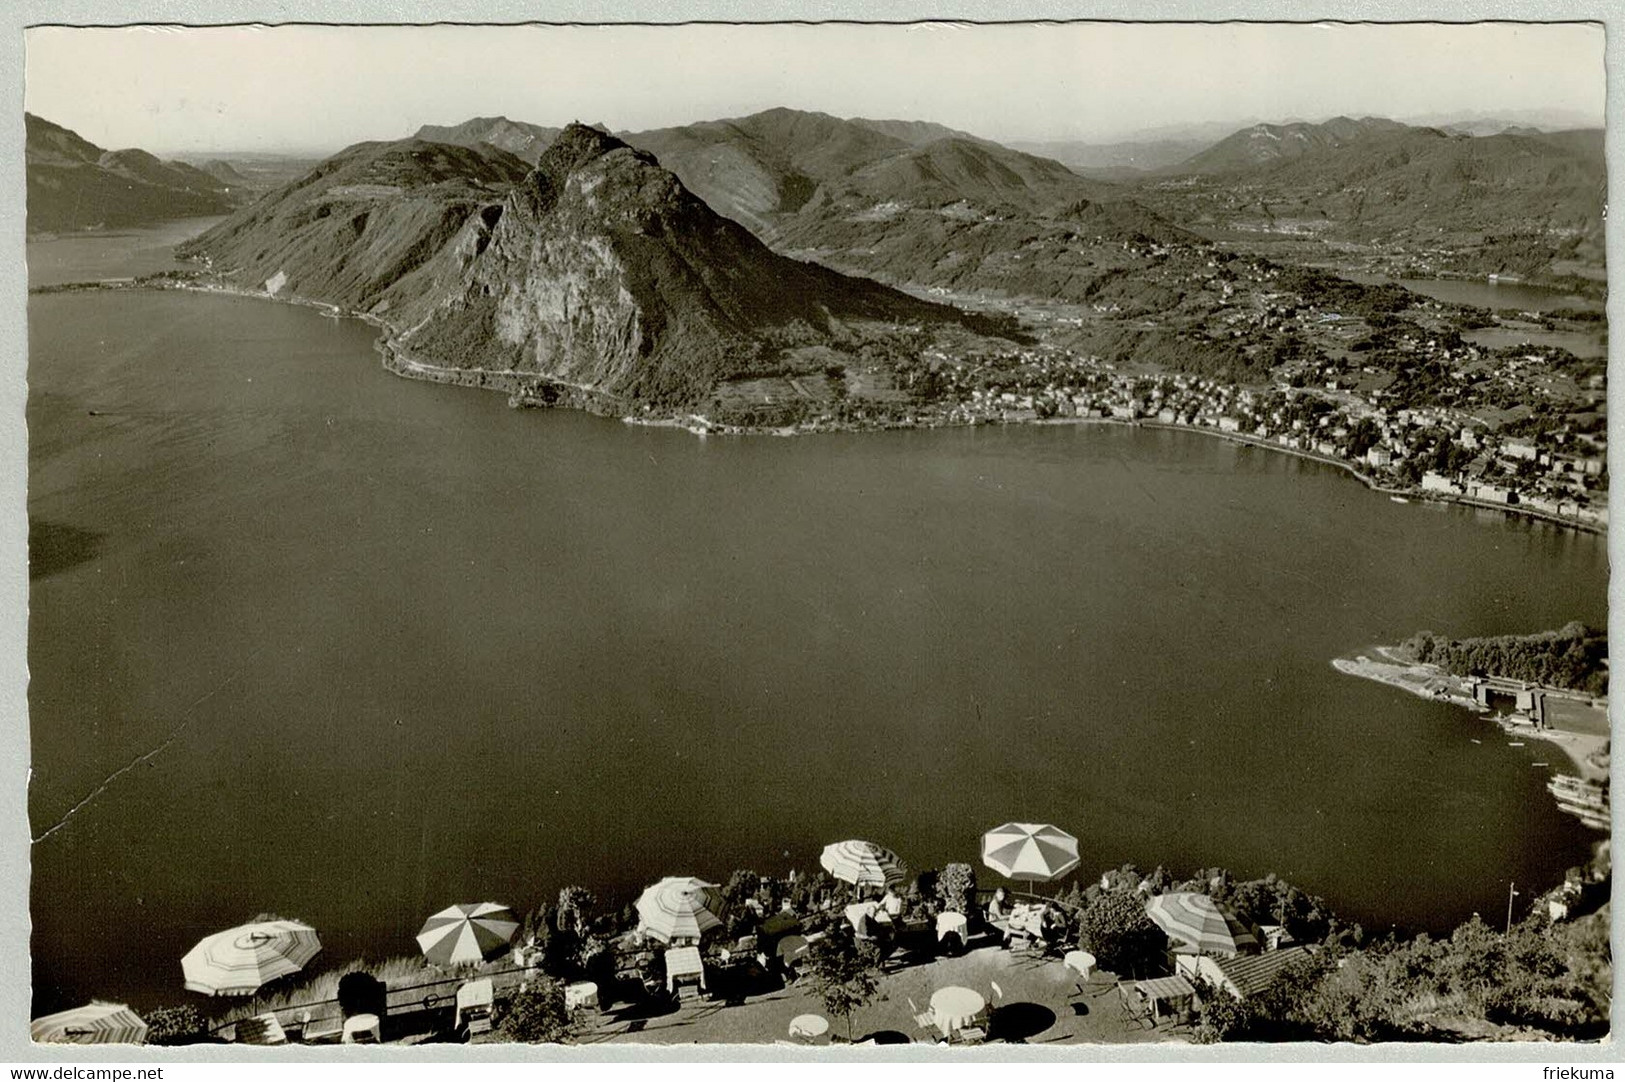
1479	293
307	638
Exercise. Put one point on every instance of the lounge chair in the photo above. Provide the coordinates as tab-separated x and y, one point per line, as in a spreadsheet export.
262	1029
474	1006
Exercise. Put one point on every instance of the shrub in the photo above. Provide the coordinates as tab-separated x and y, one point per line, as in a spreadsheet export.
534	1015
956	887
1117	932
175	1025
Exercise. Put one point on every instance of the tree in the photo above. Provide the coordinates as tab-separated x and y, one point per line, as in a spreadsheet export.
845	973
1117	932
575	908
535	1014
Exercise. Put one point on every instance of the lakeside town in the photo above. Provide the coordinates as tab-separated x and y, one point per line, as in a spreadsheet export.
1415	396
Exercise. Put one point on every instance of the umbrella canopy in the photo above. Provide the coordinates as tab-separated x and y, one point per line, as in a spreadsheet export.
94	1023
1032	851
237	961
679	907
467	934
1199	922
863	864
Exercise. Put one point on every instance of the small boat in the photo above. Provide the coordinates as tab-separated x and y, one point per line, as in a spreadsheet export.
1475	740
1514	743
1399	499
1591	817
1540	764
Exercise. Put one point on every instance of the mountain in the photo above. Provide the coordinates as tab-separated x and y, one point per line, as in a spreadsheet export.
361	220
1272	144
752	168
1496	121
603	271
74	184
224	172
1506	203
904	203
915	133
596	271
759	168
955	170
525	141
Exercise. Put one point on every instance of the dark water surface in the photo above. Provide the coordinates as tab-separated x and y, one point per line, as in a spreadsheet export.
1522	296
350	648
116	253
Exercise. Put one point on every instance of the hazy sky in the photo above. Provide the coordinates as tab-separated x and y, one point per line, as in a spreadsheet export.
320	88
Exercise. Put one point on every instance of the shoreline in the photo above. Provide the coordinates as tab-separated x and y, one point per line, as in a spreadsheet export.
1430	682
526	390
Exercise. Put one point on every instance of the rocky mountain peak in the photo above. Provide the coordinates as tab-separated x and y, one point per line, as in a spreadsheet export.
577	145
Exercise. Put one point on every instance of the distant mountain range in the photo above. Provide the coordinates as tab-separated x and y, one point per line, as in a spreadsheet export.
901	201
595	270
75	184
1376	179
1263	145
524	141
653	266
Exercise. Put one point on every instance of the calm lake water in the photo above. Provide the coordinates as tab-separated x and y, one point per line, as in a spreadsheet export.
311	639
1484	294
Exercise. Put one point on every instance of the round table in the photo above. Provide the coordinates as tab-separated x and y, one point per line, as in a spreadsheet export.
809	1027
954	1008
580	994
1080	962
954	923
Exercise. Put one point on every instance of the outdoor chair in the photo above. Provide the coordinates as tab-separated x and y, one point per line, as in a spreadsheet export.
925	1020
972	1035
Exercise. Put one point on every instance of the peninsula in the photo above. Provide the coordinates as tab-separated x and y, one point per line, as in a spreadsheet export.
1550	686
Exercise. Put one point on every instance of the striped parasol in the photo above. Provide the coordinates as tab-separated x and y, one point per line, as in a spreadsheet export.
1199	923
237	961
863	864
94	1023
1032	851
679	907
467	934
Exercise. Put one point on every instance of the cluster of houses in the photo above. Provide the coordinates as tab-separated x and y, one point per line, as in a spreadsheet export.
1561	475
